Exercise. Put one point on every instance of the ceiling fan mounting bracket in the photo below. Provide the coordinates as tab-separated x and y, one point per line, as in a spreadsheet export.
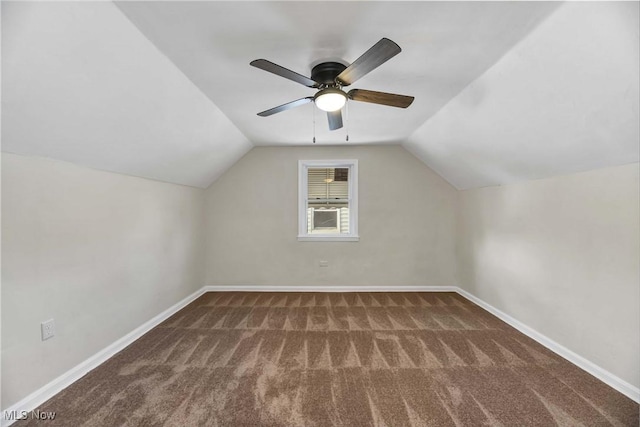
325	73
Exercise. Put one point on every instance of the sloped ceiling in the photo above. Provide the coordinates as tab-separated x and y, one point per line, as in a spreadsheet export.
445	47
563	100
504	91
81	84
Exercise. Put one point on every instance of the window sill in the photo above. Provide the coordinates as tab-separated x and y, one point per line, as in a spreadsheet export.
327	238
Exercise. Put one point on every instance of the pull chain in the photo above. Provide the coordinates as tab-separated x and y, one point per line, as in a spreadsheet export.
347	117
314	123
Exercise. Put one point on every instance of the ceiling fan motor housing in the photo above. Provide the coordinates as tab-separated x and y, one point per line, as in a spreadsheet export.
325	73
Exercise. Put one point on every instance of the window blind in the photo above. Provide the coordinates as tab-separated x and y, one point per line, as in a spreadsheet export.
318	188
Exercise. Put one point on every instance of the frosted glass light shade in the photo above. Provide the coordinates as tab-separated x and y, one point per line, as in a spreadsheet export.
330	99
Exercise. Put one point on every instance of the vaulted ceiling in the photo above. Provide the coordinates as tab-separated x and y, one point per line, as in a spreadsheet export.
505	91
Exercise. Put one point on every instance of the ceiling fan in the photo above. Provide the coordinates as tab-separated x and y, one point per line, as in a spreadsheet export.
330	77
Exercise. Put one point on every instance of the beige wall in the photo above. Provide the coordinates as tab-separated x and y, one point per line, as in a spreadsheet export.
406	223
101	253
562	256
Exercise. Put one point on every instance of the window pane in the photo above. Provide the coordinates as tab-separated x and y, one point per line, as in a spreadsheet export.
328	183
327	200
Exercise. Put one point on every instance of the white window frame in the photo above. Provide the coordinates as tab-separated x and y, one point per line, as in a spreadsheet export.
303	169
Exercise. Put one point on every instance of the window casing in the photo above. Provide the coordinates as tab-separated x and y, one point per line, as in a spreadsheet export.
328	200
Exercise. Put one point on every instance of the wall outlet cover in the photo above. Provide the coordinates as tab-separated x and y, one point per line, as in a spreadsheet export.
48	329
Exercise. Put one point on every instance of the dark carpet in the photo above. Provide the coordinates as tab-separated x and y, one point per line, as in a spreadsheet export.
337	359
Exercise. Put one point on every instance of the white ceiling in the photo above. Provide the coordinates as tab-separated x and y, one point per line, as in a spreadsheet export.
505	91
563	100
445	47
81	84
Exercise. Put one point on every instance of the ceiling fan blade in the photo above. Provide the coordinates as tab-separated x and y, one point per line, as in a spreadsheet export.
377	55
335	119
278	70
382	98
287	106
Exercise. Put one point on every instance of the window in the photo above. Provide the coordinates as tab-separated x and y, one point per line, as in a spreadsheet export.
328	200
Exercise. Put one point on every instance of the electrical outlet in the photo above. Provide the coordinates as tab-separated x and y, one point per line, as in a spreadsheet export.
324	263
48	329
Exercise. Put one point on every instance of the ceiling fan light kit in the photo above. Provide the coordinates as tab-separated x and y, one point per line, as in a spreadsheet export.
330	99
330	77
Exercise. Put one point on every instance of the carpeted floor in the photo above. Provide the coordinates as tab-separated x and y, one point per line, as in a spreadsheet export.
328	359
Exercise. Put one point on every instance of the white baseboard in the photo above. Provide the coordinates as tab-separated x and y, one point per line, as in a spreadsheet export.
603	375
49	390
46	392
365	288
